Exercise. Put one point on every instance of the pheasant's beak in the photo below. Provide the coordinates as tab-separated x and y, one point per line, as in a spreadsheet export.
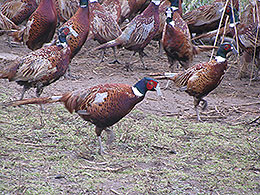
158	90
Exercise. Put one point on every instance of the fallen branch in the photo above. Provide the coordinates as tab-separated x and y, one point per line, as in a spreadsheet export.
247	104
253	121
106	169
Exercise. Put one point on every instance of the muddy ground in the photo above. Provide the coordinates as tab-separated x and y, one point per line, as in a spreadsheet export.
233	101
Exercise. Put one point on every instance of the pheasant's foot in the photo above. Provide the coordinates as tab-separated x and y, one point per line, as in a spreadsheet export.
128	67
204	104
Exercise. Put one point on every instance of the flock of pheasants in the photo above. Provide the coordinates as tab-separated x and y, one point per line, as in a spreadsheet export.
57	29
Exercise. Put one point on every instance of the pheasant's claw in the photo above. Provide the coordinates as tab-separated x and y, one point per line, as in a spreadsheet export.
115	62
204	104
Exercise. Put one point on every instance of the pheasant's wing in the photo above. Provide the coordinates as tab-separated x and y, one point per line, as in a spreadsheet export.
105	26
37	65
182	79
138	30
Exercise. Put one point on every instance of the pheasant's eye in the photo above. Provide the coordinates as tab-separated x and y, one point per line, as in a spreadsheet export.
227	47
66	31
151	85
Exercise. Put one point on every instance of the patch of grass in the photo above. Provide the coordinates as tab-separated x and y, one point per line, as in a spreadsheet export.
55	152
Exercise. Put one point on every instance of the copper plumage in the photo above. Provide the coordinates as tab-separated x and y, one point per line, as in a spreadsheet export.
103	105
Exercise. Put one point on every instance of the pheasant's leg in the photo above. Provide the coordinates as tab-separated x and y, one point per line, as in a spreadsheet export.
111	136
196	104
68	75
160	48
39	90
141	55
204	104
128	64
115	61
98	132
25	88
167	84
101	149
102	55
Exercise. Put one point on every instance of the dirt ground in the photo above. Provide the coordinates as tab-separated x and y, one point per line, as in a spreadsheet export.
233	101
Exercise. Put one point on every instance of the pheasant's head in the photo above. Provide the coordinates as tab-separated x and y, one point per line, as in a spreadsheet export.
174	3
83	3
156	2
224	49
62	35
233	15
169	13
147	84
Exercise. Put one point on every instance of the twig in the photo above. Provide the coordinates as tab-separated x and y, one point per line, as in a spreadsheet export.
222	16
33	145
106	169
161	147
112	190
247	104
256	119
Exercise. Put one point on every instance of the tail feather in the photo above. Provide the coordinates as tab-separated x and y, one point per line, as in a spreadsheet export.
202	48
16	34
43	100
112	43
164	75
9	72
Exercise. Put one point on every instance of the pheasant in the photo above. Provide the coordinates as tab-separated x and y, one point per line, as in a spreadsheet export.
18	10
248	37
207	17
78	25
66	9
199	80
176	39
113	7
102	105
40	68
103	27
139	32
162	18
130	7
40	27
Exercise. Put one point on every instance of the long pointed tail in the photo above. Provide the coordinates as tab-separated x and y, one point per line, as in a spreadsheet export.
43	100
108	44
202	48
164	75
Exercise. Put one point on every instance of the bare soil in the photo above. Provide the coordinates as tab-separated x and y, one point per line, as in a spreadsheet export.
233	101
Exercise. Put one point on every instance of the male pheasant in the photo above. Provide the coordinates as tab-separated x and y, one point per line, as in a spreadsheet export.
199	80
103	105
78	25
176	39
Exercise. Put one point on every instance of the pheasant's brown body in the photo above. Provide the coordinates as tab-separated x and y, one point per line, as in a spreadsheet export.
207	17
40	27
130	8
66	9
39	68
202	78
103	27
78	25
114	8
104	105
18	10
